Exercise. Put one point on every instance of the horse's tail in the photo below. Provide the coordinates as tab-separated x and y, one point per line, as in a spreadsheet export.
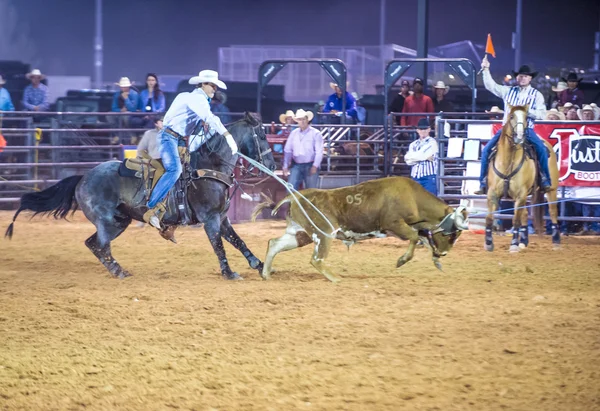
538	211
268	204
56	200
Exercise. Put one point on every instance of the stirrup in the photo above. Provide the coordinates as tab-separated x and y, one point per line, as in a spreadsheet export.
154	215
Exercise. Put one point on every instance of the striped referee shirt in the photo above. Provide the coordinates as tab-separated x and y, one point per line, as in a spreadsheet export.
517	96
418	156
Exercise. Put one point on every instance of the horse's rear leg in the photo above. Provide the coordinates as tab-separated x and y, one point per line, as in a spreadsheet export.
99	244
234	239
294	237
553	210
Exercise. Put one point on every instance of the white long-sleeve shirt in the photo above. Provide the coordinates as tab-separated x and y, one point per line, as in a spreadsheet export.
418	156
517	96
187	110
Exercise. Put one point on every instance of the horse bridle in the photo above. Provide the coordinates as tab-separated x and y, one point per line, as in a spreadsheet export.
261	154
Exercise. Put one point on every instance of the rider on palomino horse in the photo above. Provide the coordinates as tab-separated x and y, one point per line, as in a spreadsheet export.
184	116
519	95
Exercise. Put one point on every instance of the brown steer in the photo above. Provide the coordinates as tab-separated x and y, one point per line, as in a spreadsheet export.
389	206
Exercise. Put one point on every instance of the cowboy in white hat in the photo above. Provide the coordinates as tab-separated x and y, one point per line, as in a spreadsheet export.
5	100
35	95
439	101
126	99
287	121
334	103
554	114
588	113
519	95
570	111
186	112
303	152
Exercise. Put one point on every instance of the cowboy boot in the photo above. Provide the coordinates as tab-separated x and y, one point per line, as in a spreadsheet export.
154	215
169	233
482	187
545	185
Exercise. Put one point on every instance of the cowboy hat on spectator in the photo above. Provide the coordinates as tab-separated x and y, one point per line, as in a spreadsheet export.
526	70
571	77
495	109
441	84
568	106
560	86
2	81
35	72
208	76
300	113
553	111
588	107
124	82
284	116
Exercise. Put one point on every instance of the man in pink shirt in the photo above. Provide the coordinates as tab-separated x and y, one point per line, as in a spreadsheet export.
303	152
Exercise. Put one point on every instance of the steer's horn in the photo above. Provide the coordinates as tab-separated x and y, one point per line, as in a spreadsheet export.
459	219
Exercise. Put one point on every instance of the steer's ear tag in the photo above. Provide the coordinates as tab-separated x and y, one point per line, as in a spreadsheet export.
247	197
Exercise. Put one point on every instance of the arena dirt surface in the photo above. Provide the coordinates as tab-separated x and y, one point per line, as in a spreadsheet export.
494	331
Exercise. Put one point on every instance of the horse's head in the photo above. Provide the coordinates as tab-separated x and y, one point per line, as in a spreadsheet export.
251	139
517	121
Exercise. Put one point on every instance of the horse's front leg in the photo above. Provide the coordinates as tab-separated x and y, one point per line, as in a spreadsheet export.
492	205
212	227
520	234
234	239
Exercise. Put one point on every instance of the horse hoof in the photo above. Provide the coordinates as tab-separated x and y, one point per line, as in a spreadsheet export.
233	276
522	246
124	274
514	248
489	247
400	263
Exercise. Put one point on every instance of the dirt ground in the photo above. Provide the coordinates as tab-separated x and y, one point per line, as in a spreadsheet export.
494	331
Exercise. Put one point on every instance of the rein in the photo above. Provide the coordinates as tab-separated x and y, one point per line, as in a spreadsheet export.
512	145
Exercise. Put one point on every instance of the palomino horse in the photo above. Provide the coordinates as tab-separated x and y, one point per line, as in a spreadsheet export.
513	174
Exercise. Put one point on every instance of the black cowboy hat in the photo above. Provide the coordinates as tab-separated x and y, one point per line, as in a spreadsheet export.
525	70
571	77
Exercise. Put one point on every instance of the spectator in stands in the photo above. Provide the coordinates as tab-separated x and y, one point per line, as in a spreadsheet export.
126	100
555	100
303	152
148	145
422	156
572	94
554	114
398	103
35	95
570	111
496	113
416	103
152	100
439	101
334	103
588	113
287	123
218	107
6	103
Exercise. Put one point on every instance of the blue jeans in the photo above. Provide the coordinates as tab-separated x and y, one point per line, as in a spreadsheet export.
300	173
537	142
170	159
591	210
428	183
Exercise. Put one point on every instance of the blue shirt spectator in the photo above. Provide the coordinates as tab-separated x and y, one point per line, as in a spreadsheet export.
5	100
334	103
152	99
126	99
35	95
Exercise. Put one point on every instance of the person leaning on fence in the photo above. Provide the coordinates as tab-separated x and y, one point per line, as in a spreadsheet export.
35	95
6	103
519	95
148	145
187	111
303	152
422	155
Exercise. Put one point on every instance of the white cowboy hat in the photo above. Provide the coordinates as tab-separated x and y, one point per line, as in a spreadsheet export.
35	72
568	105
301	113
588	107
440	84
285	115
124	82
560	86
208	76
495	109
2	81
355	95
561	116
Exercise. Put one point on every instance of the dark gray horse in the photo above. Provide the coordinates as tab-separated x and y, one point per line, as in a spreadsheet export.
111	201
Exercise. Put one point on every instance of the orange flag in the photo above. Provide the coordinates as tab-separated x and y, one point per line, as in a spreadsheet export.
489	47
